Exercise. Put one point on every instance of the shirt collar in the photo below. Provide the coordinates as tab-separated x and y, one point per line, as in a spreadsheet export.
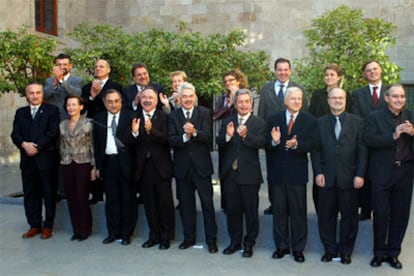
151	113
245	118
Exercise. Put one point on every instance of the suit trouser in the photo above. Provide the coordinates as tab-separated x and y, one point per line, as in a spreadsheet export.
120	205
158	203
194	181
39	185
289	212
391	206
332	200
364	198
77	187
241	199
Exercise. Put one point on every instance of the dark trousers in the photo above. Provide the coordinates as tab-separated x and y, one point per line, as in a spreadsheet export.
38	186
290	221
187	187
241	199
391	206
158	203
120	204
77	187
332	200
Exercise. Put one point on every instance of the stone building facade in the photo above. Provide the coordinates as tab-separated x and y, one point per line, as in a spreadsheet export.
275	26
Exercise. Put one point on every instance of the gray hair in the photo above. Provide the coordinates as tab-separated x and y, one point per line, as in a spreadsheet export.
293	89
243	91
388	91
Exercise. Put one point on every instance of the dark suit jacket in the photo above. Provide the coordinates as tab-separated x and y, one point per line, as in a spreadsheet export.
129	93
196	152
319	103
97	105
245	150
123	133
290	166
340	161
378	137
269	102
42	130
362	103
155	143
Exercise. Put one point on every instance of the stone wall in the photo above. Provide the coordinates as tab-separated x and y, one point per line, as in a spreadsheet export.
272	25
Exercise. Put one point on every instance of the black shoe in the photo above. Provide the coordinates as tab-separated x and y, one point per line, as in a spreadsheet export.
109	239
328	257
164	245
75	237
140	200
268	210
394	262
212	247
178	206
126	241
248	251
82	237
346	259
298	255
232	248
150	243
186	244
377	261
280	253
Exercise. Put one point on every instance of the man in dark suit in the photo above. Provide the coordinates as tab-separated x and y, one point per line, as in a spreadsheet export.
240	138
62	84
154	170
364	101
339	163
291	134
115	163
272	99
390	138
189	133
93	94
35	130
131	94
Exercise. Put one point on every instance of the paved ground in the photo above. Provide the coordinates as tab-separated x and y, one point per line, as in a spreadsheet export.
60	256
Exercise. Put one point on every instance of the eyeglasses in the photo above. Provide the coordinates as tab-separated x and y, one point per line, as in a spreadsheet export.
337	98
229	80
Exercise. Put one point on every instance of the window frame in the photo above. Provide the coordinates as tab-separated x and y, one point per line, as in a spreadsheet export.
41	28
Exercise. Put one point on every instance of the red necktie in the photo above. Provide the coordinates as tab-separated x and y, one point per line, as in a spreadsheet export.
375	96
291	122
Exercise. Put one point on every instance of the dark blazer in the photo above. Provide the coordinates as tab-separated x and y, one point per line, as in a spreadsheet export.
245	150
291	165
269	102
129	93
378	137
319	103
123	133
97	105
362	103
42	130
155	143
196	152
340	161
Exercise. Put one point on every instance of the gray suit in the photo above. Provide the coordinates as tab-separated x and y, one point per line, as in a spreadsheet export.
56	95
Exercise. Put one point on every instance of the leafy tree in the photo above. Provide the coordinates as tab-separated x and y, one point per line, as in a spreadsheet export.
203	57
24	58
345	37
